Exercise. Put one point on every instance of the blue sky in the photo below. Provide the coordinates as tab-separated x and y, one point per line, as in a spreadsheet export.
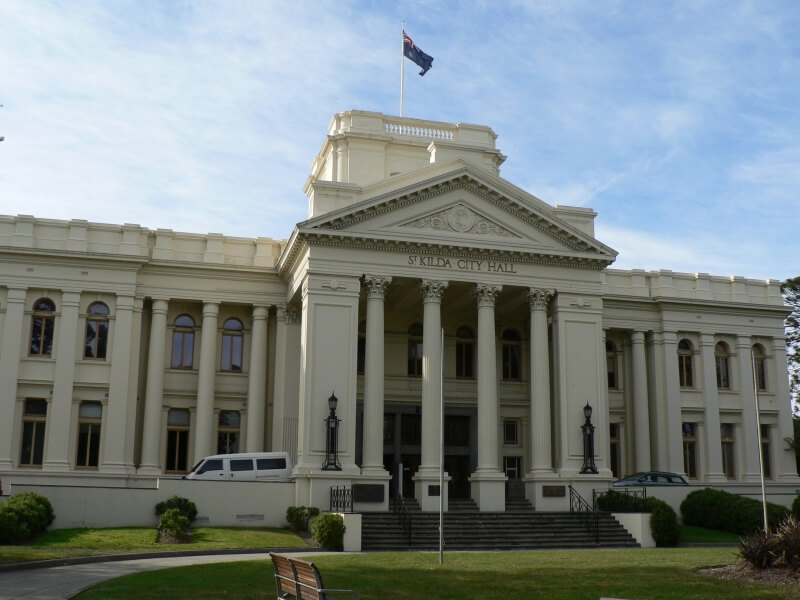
678	122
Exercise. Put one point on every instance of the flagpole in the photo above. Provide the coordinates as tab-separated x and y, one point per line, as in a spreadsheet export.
441	453
402	66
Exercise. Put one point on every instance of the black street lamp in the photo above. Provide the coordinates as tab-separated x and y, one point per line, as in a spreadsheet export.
332	438
588	442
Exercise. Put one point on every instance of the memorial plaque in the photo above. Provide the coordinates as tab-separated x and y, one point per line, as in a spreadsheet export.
554	491
433	490
368	492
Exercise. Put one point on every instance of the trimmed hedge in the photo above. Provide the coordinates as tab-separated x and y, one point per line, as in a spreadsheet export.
183	505
717	509
328	531
23	516
298	517
663	520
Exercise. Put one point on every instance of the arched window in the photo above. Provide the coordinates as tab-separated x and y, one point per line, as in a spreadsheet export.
183	343
512	355
685	371
232	336
177	440
96	340
228	432
362	347
415	350
42	327
465	352
89	419
759	361
611	365
721	356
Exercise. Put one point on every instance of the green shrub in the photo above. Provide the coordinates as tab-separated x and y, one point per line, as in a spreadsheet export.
174	523
663	523
328	531
717	509
796	507
789	542
614	501
298	517
23	516
185	506
760	550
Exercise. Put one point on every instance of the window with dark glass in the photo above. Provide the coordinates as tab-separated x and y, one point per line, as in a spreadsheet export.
266	464
42	327
690	450
388	428
456	430
415	350
614	454
512	467
242	464
410	429
766	455
362	347
89	418
34	420
228	432
759	362
685	370
611	365
726	431
721	357
177	440
232	338
512	355
465	351
511	432
96	339
183	343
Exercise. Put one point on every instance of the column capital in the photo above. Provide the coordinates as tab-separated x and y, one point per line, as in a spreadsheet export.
125	302
70	299
292	314
432	290
486	294
260	312
707	339
210	309
637	337
17	294
376	286
539	298
160	306
744	341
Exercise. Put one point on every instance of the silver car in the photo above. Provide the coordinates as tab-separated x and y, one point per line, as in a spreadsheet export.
651	478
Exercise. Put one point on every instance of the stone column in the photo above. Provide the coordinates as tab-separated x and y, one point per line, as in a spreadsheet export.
154	392
278	385
9	367
58	437
257	380
750	444
427	477
488	481
666	422
713	445
204	436
541	462
785	466
372	463
116	425
641	410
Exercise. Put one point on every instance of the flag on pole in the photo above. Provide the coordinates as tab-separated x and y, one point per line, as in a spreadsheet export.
417	56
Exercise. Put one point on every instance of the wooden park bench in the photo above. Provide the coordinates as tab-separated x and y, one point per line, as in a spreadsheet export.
301	580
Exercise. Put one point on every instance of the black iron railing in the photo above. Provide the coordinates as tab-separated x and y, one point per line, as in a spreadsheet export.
587	512
399	508
342	499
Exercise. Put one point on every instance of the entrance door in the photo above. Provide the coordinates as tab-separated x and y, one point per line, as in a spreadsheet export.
457	466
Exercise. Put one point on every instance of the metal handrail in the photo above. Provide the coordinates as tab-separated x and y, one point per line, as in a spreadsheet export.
399	508
587	512
341	499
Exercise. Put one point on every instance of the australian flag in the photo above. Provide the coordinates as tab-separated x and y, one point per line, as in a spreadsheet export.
412	51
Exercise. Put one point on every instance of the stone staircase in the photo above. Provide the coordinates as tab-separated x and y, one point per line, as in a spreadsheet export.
466	528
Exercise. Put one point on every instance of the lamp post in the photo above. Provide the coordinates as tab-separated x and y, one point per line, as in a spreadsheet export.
332	438
588	442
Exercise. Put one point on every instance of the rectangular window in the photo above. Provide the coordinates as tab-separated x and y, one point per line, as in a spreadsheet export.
90	416
388	428
456	430
410	428
723	378
726	431
228	432
177	441
231	352
42	331
96	342
182	349
685	367
33	428
690	450
512	467
761	374
614	454
511	433
415	357
464	360
765	451
511	362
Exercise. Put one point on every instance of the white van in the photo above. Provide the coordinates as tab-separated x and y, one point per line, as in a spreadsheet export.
247	466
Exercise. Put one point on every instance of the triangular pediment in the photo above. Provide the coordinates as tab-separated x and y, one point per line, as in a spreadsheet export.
457	206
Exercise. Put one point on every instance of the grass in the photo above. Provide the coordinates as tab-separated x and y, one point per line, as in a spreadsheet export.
65	543
657	574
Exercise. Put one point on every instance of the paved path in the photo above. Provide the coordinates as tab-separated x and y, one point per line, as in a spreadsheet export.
63	582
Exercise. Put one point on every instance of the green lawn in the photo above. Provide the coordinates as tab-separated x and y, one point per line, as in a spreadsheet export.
700	535
64	543
657	574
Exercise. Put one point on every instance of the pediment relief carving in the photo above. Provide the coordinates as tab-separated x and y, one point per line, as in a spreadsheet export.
460	219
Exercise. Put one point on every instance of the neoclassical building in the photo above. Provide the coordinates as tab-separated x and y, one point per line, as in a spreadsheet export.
420	276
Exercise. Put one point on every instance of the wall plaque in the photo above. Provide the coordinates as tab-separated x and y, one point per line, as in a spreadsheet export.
554	491
368	492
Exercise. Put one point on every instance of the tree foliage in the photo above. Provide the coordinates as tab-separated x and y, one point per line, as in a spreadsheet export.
791	296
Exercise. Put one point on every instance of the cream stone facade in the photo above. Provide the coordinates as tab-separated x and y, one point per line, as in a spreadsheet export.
128	354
